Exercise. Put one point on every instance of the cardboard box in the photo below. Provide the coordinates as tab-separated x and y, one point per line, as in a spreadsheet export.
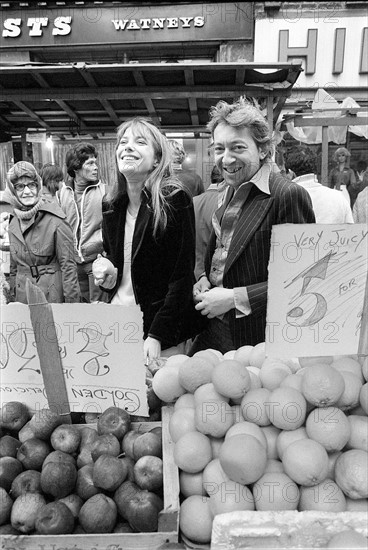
292	529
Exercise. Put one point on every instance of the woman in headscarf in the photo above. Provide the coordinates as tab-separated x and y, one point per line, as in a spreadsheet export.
41	241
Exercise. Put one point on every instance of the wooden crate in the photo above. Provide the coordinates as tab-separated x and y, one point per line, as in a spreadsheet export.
240	530
168	525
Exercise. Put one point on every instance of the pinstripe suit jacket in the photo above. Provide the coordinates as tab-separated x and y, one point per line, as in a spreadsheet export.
249	252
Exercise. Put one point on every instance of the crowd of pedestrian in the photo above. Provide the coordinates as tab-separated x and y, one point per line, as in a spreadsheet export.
195	260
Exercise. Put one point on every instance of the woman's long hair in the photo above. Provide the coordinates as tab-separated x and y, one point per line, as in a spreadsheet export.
161	182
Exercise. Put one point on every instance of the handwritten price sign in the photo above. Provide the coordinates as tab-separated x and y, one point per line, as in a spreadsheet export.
101	349
317	279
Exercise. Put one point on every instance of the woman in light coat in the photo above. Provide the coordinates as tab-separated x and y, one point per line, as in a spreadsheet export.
41	241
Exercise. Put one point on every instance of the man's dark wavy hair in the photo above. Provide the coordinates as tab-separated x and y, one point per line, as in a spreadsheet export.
301	160
77	156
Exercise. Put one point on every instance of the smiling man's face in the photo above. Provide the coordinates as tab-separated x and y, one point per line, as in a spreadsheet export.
237	155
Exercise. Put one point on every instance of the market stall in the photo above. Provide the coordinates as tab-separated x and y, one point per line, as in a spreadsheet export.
233	425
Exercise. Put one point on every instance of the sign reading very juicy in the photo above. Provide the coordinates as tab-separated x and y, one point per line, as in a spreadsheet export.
316	288
101	349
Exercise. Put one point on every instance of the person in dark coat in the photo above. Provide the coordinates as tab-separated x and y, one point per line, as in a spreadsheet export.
41	241
81	199
189	178
205	205
149	239
232	292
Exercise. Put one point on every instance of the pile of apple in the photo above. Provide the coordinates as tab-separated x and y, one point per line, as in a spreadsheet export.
58	478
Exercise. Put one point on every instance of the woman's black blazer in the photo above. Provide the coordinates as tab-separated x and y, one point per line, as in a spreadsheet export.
162	267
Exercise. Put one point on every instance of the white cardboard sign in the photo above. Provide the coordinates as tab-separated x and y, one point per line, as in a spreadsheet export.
101	349
316	286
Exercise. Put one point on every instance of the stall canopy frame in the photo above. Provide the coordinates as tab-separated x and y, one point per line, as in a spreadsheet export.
349	117
72	99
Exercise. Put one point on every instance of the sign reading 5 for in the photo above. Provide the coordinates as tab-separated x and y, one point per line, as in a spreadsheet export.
316	288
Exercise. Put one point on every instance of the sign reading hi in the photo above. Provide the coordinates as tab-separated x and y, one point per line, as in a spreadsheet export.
316	288
101	349
332	47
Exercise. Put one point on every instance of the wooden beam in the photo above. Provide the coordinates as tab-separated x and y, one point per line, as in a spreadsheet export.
177	92
88	78
189	81
108	108
278	108
293	68
240	76
138	77
270	111
327	121
193	108
104	102
4	122
65	129
189	77
32	114
72	114
152	111
343	110
40	79
324	167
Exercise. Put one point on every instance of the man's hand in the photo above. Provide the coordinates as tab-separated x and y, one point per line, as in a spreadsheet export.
151	349
104	272
201	286
216	301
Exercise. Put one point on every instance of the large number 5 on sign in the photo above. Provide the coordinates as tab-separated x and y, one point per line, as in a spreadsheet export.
309	307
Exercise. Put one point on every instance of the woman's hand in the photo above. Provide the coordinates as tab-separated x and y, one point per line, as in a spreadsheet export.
151	349
201	286
104	272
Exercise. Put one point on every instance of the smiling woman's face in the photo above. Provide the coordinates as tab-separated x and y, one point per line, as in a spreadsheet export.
135	154
237	155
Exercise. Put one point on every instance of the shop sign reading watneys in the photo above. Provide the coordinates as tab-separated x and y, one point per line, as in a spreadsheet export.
134	24
157	23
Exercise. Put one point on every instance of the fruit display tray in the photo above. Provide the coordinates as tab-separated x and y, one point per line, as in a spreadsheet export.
168	525
286	529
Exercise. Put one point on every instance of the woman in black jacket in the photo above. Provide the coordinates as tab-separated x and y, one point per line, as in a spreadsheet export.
149	238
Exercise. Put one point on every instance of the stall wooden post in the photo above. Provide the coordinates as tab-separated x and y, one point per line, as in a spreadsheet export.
270	111
363	339
324	168
48	351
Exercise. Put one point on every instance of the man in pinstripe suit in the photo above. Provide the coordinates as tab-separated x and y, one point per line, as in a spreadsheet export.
232	293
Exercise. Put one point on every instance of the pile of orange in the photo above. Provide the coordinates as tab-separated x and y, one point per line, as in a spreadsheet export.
259	433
